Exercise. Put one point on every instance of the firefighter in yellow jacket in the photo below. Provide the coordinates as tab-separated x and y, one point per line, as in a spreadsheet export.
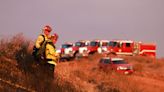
39	42
51	56
43	37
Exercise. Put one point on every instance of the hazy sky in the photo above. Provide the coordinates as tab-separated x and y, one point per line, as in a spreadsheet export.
140	20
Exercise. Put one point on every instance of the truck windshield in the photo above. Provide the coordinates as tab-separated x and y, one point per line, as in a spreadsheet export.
113	44
66	45
93	43
78	44
119	62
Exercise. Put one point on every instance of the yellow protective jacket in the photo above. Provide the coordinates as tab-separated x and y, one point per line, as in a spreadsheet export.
40	40
51	54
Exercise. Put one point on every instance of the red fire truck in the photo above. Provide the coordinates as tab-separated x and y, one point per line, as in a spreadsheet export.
94	46
65	47
72	52
128	47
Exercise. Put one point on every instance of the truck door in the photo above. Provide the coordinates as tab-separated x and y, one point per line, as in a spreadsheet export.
127	47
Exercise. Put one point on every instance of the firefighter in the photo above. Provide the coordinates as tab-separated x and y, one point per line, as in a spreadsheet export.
40	40
43	37
51	56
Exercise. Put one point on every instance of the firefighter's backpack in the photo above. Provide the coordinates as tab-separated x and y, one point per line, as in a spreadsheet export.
36	52
41	53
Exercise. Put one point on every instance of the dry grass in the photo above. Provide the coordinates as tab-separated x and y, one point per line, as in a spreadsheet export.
86	76
83	75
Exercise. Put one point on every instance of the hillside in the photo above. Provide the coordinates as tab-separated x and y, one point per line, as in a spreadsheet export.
18	73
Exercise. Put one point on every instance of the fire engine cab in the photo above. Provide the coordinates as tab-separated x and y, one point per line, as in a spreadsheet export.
128	47
73	51
92	47
64	49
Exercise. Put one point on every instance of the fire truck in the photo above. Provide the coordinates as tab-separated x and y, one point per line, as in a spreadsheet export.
73	51
64	48
128	47
92	47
